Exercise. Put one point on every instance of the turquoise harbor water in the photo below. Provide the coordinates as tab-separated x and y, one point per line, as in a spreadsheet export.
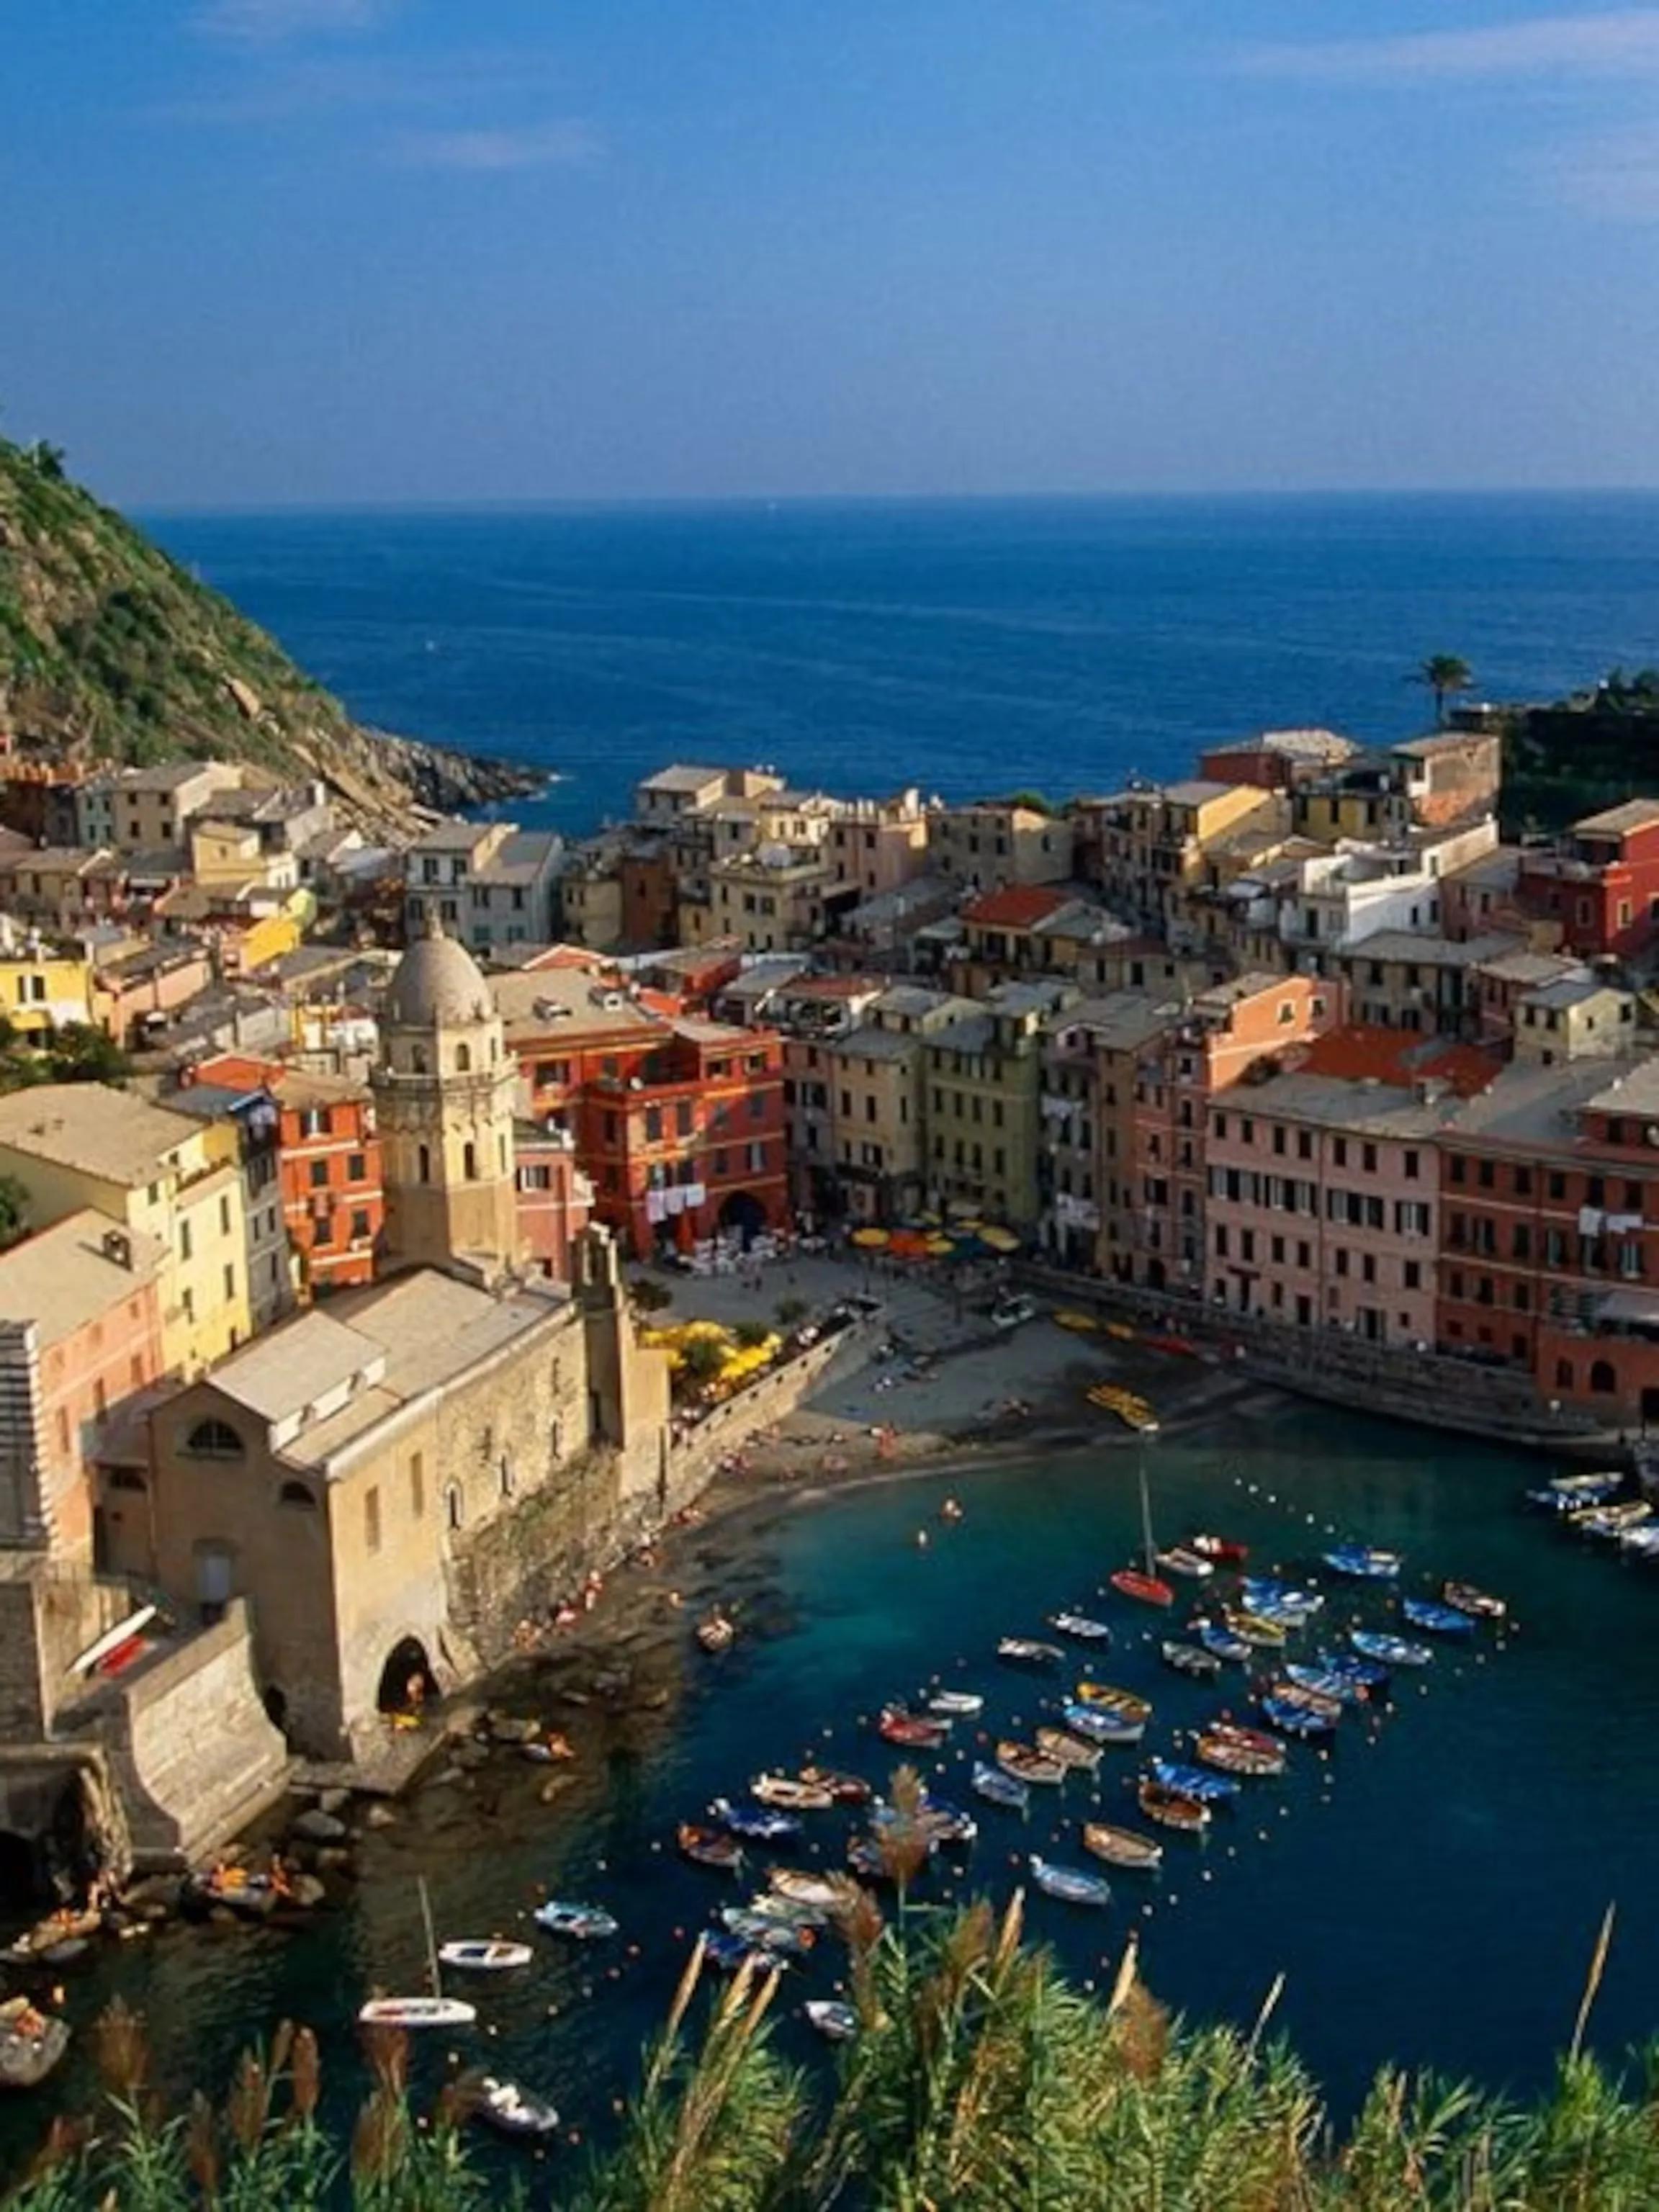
1431	1890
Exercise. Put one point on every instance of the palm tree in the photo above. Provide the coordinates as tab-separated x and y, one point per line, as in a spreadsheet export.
1443	674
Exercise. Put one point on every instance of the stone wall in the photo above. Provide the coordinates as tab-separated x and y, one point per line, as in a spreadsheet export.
50	1613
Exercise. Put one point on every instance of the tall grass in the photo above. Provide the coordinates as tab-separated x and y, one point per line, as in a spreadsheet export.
980	2080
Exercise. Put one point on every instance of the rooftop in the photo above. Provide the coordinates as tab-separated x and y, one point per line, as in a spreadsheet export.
1423	949
569	1001
1634	1091
870	1043
1397	1056
1527	1105
682	776
1532	969
64	1277
1617	820
1567	991
1437	741
110	1134
1121	1021
1343	1102
1020	906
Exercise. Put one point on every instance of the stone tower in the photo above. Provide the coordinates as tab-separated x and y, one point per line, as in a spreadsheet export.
443	1094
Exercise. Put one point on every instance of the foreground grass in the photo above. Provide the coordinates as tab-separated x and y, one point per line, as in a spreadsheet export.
980	2081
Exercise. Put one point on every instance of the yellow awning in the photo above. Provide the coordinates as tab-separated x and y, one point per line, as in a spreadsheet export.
871	1239
999	1240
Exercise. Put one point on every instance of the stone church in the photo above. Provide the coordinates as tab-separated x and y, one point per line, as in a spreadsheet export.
394	1480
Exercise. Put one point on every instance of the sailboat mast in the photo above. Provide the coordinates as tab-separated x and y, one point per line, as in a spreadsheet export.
431	1940
1146	1514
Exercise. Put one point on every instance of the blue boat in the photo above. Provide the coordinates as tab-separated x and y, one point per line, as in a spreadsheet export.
1370	1674
1439	1619
1219	1639
758	1822
1391	1650
990	1782
1279	1601
728	1952
940	1821
1329	1682
1070	1883
1295	1720
1197	1782
1363	1563
1570	1493
1101	1724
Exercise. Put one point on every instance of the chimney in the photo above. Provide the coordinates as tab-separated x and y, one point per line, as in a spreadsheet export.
118	1247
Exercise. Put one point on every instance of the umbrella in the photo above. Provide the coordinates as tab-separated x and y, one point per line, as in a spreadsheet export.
909	1244
999	1240
873	1240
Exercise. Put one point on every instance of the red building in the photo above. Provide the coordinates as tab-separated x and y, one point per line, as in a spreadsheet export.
555	1199
1601	889
333	1200
677	1124
1549	1233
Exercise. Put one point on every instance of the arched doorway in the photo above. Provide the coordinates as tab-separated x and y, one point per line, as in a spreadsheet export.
407	1681
742	1211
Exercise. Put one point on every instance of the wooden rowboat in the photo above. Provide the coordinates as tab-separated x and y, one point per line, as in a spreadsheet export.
1123	1847
1030	1765
1170	1809
1069	1750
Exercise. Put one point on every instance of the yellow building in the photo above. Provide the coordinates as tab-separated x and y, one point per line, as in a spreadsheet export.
877	1100
41	990
772	900
1155	841
159	1173
1000	842
231	854
984	1108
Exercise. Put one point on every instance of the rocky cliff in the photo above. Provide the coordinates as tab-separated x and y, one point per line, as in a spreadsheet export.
109	650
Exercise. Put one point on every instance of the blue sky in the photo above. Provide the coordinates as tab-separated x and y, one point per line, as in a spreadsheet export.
325	251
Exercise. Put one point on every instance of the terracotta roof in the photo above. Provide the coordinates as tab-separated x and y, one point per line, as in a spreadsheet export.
1399	1057
1018	907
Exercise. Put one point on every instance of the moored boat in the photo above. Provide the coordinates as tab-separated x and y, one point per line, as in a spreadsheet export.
1080	1627
835	2022
1172	1809
1370	1674
1101	1723
1181	1559
1237	1732
1255	1629
765	1931
1230	1758
416	2012
955	1705
844	1789
1364	1563
1026	1764
1427	1612
1026	1651
513	2109
1123	1847
1222	1549
1310	1700
798	1886
1478	1602
716	1633
709	1847
1391	1650
1328	1682
1000	1788
1220	1641
1568	1493
1068	1749
1144	1588
1190	1659
919	1732
483	1955
1293	1719
587	1924
1107	1695
1609	1522
730	1952
1070	1884
790	1794
32	2044
1279	1601
1209	1789
759	1823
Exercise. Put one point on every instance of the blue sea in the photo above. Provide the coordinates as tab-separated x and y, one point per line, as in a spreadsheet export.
965	646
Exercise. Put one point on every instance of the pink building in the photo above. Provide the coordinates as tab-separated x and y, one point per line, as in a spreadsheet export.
1322	1197
554	1199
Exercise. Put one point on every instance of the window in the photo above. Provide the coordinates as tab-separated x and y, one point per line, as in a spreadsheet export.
423	1164
462	1059
1414	1274
1459	1168
357	1167
417	1485
359	1223
224	1216
318	1172
1603	1378
184	1240
1340	1152
1564	1375
372	1518
470	1161
1368	1159
214	1439
1305	1144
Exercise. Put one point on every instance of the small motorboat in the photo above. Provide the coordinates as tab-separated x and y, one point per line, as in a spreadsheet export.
1110	1698
1255	1629
416	2012
585	1924
482	1956
1000	1788
766	1932
1235	1732
1570	1493
766	1904
1028	1765
1131	1409
48	1938
955	1705
730	1953
1172	1809
1190	1659
1436	1619
797	1886
1279	1601
1023	1651
1123	1847
513	2109
916	1731
759	1823
1230	1758
32	2044
1391	1650
1370	1674
1209	1788
1310	1699
1328	1682
791	1795
1295	1720
1609	1522
835	2022
1080	1627
716	1633
1221	1549
844	1789
1070	1750
1070	1884
710	1847
1363	1563
1181	1559
1212	1637
1102	1723
1144	1588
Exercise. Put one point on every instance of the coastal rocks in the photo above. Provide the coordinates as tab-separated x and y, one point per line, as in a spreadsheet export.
554	1786
380	1815
471	1756
305	1890
316	1827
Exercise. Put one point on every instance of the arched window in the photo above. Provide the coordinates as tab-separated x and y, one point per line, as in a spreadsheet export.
453	1509
470	1161
423	1162
462	1059
214	1440
297	1494
1602	1377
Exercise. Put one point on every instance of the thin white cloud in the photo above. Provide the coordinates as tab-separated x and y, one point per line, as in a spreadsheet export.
1617	43
269	21
567	143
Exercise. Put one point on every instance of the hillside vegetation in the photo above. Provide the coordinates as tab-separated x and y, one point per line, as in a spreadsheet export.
109	650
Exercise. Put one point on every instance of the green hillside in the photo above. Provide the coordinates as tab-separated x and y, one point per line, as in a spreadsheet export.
109	650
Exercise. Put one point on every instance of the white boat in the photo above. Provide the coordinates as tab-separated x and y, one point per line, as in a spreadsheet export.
955	1705
416	2012
839	2022
801	1887
514	2110
1179	1560
790	1795
589	1924
484	1955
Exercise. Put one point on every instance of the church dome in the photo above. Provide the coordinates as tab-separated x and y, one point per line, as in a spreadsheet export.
437	985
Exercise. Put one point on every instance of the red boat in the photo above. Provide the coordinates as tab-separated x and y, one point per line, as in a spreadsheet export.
912	1730
1248	1739
1130	1582
1220	1548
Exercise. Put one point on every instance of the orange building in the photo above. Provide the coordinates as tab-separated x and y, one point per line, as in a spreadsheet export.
333	1199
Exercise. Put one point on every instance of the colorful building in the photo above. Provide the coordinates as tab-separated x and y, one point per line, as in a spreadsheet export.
1601	889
